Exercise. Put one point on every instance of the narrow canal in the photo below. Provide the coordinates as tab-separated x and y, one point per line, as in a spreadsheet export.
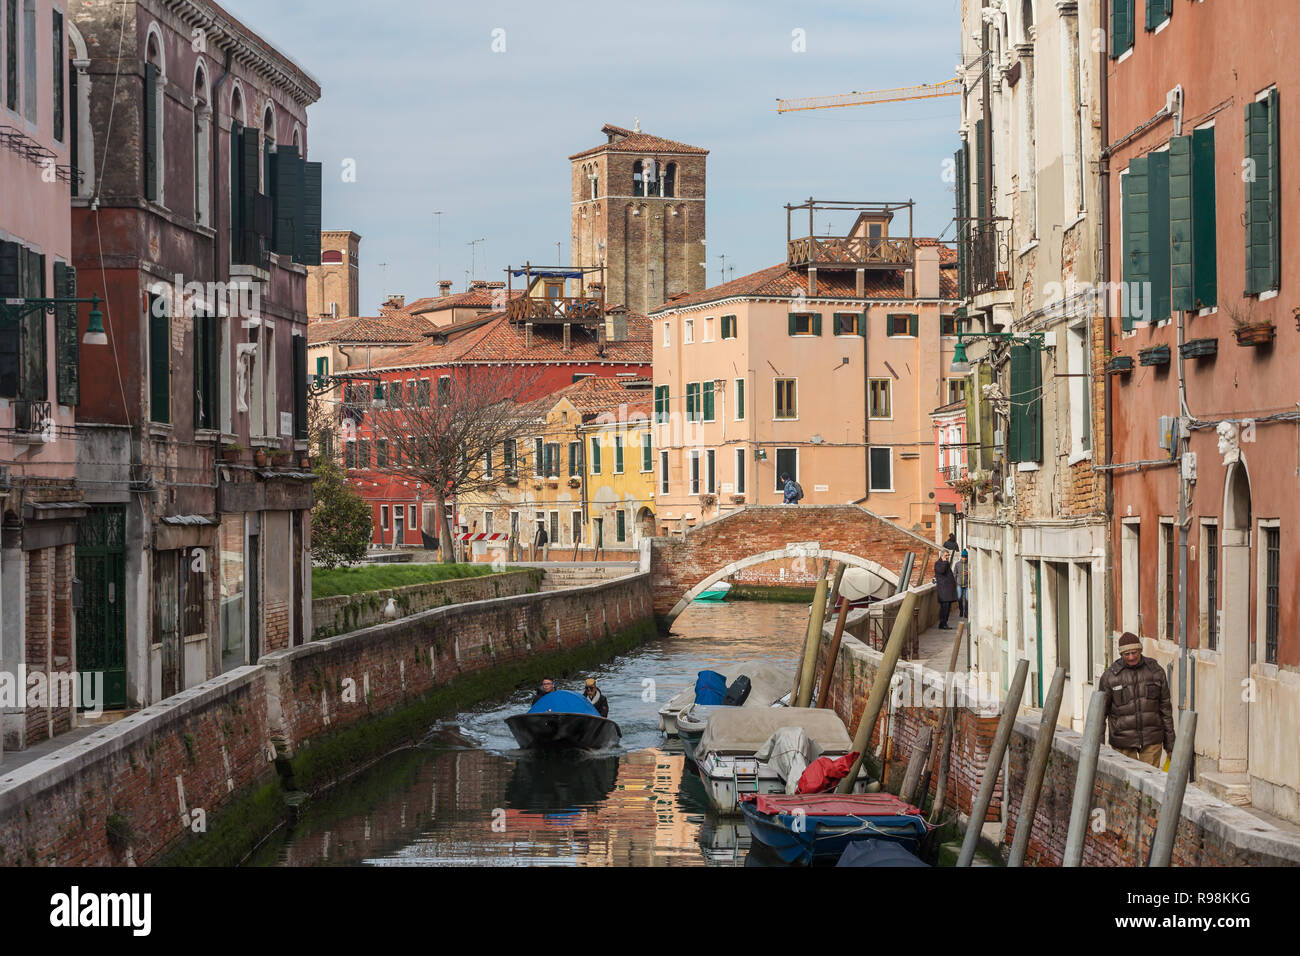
469	796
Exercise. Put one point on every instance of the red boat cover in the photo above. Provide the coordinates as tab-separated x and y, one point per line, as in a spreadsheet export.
824	773
833	804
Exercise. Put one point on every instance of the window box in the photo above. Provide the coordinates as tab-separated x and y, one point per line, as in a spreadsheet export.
1120	365
708	500
1261	333
231	452
1155	355
575	482
1199	348
737	499
511	479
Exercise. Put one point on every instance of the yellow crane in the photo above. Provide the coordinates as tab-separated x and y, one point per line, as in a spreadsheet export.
925	91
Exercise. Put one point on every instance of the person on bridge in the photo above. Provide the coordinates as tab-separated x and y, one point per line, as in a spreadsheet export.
951	544
961	571
597	699
1138	709
946	588
792	490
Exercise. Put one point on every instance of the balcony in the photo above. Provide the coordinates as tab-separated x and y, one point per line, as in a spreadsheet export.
33	423
852	252
556	310
864	244
988	258
952	472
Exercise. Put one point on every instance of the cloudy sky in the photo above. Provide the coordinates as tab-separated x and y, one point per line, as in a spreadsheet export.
436	119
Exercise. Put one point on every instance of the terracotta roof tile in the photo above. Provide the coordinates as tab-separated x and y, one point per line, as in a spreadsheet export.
393	327
596	396
638	142
474	298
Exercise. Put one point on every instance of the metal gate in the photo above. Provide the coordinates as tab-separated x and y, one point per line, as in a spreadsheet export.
101	619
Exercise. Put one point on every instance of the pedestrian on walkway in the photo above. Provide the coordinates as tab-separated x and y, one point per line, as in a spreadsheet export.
540	542
946	588
792	489
951	544
961	571
1138	708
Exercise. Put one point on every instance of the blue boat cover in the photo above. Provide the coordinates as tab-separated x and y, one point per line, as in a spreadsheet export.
563	702
878	853
710	688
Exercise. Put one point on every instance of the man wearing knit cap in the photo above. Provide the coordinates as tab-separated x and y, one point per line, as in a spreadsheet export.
1138	709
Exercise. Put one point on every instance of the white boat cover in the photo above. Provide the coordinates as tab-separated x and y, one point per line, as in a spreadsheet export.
768	683
789	751
859	584
743	730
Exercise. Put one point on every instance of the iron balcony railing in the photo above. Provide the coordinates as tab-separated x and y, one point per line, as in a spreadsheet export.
988	260
33	421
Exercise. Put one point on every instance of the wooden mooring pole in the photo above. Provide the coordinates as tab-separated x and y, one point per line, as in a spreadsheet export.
949	725
920	758
813	639
832	657
1093	729
1037	768
1180	768
994	766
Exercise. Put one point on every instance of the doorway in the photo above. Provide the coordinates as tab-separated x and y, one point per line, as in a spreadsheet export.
101	619
1236	633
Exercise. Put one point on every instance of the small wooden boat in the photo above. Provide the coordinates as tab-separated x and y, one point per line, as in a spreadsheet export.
768	682
807	828
563	719
715	593
727	755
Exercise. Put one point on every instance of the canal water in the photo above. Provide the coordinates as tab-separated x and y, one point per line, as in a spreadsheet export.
469	796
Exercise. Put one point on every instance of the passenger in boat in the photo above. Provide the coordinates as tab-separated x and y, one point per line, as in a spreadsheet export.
548	686
597	699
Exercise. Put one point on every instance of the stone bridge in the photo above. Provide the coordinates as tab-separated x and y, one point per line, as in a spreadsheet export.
684	566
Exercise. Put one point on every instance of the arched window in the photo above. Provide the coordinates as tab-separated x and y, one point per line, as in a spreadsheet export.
670	180
81	145
638	179
237	106
154	103
268	147
202	147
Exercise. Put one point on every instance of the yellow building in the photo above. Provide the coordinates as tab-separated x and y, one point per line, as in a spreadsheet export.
620	461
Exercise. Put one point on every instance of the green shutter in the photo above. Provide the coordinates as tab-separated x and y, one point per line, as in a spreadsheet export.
1159	201
960	160
10	334
647	453
1261	196
150	137
913	326
793	323
1026	439
980	186
1181	236
691	409
67	342
33	386
159	360
287	171
618	455
740	399
1136	228
708	402
300	387
1205	283
310	221
236	192
817	323
1121	27
595	456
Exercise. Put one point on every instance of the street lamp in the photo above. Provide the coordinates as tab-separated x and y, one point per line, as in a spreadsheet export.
961	365
12	312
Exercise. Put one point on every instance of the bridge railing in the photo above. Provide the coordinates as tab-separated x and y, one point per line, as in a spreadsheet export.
880	626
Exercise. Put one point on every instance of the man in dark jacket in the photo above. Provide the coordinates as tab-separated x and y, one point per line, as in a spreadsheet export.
946	586
1138	709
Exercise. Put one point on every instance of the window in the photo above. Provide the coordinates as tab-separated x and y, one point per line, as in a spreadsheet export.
152	122
1210	583
668	334
1262	197
160	327
410	393
381	453
947	325
693	409
956	390
595	455
322	369
688	332
1026	440
10	33
575	459
487	463
708	329
1130	580
1272	541
707	402
554	531
422	394
508	454
787	463
728	326
882	469
670	180
1193	245
575	527
740	471
805	323
1058	579
396	394
663	473
1080	391
413	518
661	403
1121	28
350	455
444	391
60	63
849	323
880	398
638	179
695	472
29	60
618	454
621	525
1158	11
363	453
786	404
711	472
647	453
1144	193
902	324
1167	570
202	148
551	459
383	517
539	457
489	519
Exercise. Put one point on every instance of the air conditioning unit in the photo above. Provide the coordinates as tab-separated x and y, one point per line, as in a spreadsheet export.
1167	433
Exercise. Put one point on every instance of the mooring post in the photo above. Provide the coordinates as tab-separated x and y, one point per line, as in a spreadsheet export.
994	766
1093	730
1037	768
1162	847
879	688
832	657
813	639
920	757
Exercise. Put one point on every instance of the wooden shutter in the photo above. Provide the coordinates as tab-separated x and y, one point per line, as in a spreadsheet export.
250	161
310	220
794	326
1121	27
961	160
1158	184
1181	235
236	193
10	331
159	360
913	326
817	323
67	342
1261	196
287	171
1205	264
708	402
981	191
1136	229
150	137
300	387
33	386
1026	440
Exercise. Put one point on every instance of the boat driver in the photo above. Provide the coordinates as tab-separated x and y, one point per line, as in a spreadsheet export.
548	686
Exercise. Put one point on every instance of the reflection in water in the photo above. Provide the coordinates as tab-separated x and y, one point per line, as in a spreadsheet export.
468	796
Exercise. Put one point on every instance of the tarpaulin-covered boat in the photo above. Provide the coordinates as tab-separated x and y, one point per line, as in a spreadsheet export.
563	719
767	683
804	828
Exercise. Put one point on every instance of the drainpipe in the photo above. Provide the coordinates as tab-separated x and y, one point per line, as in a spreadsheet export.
866	406
1108	395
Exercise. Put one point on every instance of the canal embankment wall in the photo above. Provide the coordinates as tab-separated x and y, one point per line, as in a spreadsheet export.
203	776
1127	794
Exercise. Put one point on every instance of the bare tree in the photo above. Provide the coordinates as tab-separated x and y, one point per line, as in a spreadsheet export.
443	439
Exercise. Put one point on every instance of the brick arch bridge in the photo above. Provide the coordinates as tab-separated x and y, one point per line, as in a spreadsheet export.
683	567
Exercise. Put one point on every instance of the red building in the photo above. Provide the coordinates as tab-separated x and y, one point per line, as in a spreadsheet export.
950	465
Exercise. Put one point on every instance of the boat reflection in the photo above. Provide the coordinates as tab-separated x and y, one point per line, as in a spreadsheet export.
559	787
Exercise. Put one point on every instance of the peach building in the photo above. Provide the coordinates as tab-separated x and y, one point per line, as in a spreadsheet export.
824	367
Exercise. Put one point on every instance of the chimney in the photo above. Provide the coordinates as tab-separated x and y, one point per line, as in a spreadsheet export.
528	335
600	339
444	287
908	284
567	336
395	301
618	327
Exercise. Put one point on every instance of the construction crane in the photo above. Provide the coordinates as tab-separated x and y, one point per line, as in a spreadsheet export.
925	91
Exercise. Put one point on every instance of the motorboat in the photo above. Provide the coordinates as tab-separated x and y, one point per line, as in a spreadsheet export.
817	827
714	593
767	683
563	719
740	751
861	588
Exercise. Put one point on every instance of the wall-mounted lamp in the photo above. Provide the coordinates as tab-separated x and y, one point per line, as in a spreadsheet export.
961	365
760	454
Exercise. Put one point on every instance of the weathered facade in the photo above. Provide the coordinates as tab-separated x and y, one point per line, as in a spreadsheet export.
1029	225
197	233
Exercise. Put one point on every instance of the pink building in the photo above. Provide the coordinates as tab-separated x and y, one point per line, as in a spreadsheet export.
950	464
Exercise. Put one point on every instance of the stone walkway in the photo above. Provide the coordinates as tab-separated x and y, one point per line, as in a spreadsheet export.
12	760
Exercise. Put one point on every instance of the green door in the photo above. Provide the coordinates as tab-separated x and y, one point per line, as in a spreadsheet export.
101	619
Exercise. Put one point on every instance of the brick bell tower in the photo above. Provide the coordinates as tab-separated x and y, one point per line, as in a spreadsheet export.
638	206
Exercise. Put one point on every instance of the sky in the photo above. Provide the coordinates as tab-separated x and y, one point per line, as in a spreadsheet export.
472	110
